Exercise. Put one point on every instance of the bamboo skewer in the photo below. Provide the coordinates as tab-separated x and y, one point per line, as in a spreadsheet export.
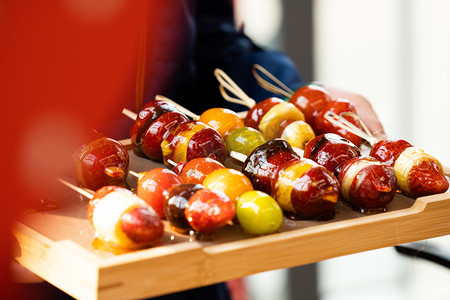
129	114
367	135
281	89
242	157
85	192
341	122
238	156
227	83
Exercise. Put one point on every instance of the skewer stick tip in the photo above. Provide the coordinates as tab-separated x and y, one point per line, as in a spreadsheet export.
129	114
238	156
85	192
136	174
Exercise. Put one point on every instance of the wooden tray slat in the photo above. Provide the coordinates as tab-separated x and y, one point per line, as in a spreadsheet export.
57	245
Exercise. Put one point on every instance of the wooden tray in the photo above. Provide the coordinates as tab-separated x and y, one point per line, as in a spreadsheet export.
58	246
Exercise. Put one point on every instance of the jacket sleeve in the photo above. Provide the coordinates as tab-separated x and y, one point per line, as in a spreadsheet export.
218	44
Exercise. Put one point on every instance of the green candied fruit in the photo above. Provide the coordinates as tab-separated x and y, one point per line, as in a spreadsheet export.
258	213
244	140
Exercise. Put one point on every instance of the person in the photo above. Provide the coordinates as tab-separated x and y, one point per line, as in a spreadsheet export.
98	60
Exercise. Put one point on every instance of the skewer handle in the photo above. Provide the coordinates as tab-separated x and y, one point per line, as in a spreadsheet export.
136	174
85	192
281	89
227	83
238	156
129	114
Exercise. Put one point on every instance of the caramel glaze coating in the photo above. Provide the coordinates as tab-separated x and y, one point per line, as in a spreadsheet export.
310	99
175	204
387	151
206	142
196	170
331	151
142	225
263	163
372	188
427	179
322	125
101	162
256	113
208	211
155	133
144	119
311	193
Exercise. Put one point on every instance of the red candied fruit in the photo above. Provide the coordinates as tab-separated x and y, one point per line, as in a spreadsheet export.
207	211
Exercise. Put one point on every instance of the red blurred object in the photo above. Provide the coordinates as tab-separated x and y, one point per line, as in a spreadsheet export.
82	60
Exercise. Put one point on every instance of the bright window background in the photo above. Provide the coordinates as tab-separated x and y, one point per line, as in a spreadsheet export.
397	54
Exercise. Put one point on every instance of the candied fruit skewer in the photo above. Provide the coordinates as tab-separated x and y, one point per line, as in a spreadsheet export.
315	102
223	120
161	132
273	117
301	187
418	173
120	217
230	126
370	192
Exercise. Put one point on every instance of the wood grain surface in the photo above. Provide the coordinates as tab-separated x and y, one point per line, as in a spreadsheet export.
60	246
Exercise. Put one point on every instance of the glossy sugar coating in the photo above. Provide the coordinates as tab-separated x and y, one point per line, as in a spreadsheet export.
153	187
122	219
298	134
388	150
271	123
157	130
418	173
426	178
367	185
262	165
222	119
228	181
101	162
152	110
331	151
258	213
307	189
310	99
254	115
190	140
207	211
196	170
244	140
175	204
